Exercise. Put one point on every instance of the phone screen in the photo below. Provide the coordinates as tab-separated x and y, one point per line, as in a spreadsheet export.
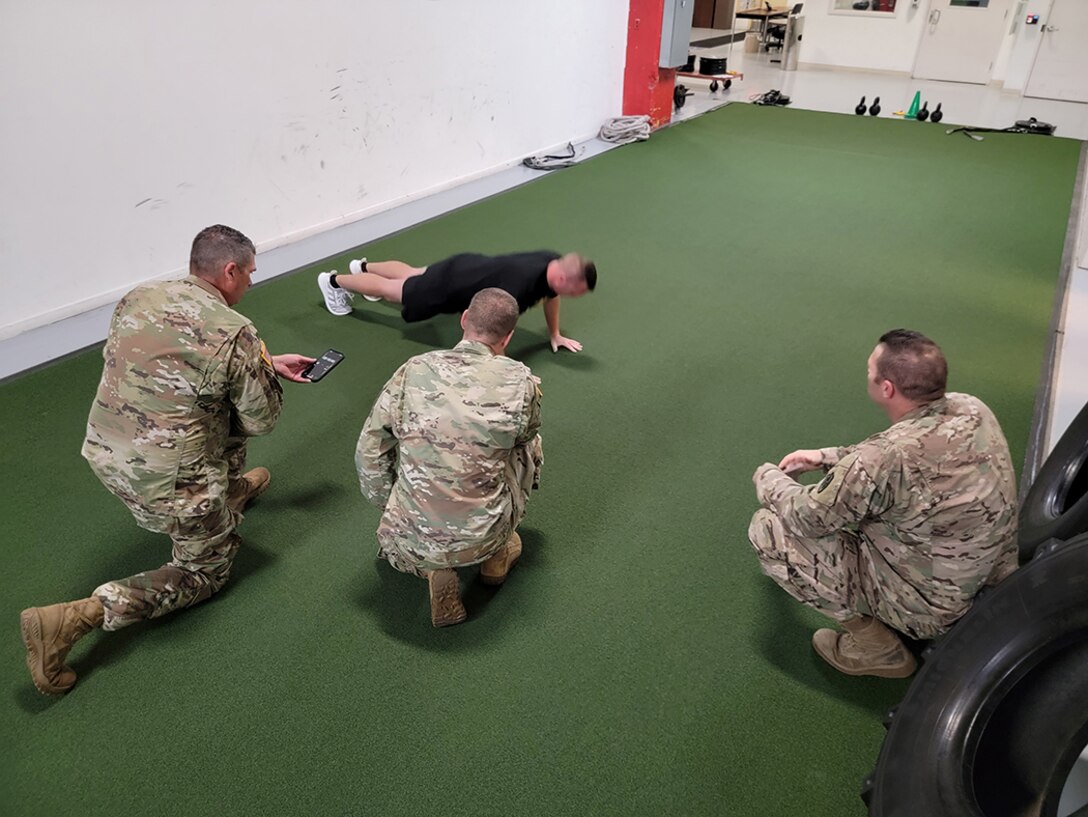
323	365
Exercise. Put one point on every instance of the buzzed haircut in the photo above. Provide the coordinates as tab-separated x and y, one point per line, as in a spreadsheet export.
582	267
216	246
492	314
914	364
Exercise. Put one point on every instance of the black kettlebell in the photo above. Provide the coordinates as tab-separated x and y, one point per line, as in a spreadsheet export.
875	109
923	114
860	109
680	95
937	114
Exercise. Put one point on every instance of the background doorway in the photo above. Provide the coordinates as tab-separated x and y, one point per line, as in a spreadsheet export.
961	39
1061	63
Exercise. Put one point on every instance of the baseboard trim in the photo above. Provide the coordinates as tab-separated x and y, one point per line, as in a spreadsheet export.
820	66
48	339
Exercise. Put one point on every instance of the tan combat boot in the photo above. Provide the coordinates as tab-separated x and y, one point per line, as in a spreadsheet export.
49	633
866	648
252	484
495	569
445	592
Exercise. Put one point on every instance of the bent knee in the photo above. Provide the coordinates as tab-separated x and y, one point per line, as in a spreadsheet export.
204	580
216	577
762	530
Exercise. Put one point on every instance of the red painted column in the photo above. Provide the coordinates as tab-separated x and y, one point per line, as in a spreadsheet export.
647	89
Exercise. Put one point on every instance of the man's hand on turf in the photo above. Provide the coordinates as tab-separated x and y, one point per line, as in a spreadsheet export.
560	342
799	462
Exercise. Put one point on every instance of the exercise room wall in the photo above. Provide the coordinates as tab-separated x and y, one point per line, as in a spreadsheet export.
129	126
890	43
878	42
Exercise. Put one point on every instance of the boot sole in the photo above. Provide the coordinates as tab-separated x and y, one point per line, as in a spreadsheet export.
875	673
31	628
449	622
448	613
904	671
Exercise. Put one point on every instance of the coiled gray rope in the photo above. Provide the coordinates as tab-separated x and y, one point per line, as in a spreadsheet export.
625	129
620	131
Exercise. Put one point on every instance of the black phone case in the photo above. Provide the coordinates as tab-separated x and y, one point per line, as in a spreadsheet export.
323	365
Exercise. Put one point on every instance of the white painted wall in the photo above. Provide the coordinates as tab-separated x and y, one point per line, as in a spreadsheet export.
875	42
890	43
126	127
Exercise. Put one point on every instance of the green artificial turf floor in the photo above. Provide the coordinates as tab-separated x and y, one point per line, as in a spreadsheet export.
636	662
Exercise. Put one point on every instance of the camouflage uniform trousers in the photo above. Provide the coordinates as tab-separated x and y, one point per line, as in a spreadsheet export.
824	573
522	475
203	552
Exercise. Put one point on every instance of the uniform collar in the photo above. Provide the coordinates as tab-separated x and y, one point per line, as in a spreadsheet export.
206	286
473	346
932	407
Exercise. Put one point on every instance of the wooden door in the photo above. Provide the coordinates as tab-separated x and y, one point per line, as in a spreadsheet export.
703	16
713	14
723	14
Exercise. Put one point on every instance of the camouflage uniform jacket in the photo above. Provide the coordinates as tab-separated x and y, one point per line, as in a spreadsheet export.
435	450
183	372
933	496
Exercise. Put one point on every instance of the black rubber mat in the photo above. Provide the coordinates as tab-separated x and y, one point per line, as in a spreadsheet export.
725	39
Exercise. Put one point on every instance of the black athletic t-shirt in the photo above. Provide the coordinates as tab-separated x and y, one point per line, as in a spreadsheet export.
448	286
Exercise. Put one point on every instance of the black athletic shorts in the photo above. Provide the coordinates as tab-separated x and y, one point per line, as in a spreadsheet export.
424	296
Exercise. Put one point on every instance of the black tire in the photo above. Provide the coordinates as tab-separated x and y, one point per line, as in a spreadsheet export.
1035	718
728	83
998	714
1056	507
713	85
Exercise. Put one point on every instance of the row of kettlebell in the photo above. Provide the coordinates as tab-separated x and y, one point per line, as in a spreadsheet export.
922	115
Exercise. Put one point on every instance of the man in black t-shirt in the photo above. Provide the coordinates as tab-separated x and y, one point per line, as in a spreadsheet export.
447	286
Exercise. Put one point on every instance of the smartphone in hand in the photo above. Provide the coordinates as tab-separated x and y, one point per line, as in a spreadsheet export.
322	366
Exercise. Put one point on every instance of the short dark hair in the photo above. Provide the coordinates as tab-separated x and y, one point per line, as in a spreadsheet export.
492	314
216	246
590	272
914	364
581	267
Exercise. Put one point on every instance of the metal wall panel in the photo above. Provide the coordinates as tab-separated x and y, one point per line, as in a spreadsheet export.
675	32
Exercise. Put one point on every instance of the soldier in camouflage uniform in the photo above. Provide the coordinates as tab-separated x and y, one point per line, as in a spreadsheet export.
186	380
906	527
450	451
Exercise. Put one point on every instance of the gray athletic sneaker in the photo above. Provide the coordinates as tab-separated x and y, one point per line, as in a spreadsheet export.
337	301
356	267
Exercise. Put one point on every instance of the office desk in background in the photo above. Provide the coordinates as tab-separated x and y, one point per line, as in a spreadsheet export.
763	15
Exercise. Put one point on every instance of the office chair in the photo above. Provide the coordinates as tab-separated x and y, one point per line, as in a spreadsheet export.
776	30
